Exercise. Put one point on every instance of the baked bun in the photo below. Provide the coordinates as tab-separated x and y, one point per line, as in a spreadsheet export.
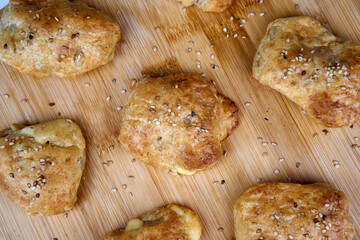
172	222
286	211
177	123
56	37
320	72
41	165
209	5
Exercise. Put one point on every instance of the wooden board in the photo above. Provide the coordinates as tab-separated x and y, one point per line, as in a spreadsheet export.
164	24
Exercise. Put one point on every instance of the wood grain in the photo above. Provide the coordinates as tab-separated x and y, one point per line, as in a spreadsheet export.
164	24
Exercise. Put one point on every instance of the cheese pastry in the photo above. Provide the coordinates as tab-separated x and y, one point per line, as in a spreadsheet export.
286	211
56	37
172	222
41	165
177	123
209	5
317	70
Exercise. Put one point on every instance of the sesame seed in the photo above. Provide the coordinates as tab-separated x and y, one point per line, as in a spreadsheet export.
281	159
189	49
241	25
155	48
236	35
259	180
225	29
261	1
105	164
184	9
243	20
11	175
191	42
198	65
11	143
114	189
247	104
56	19
123	91
176	86
6	96
276	171
119	108
87	84
264	143
275	233
274	143
262	14
251	14
244	37
203	74
327	205
2	146
157	122
198	52
124	186
87	17
337	165
108	98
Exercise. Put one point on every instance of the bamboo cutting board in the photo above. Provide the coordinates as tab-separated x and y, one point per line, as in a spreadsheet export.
156	38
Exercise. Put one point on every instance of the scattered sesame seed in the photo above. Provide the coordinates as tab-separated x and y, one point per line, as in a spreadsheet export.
184	9
11	175
241	25
155	48
157	123
261	1
274	143
198	52
87	84
327	205
259	180
262	14
119	108
189	49
56	19
247	104
251	14
225	29
124	186
6	96
244	37
11	143
23	100
264	143
281	159
212	45
105	164
276	171
236	35
243	20
123	91
2	146
114	189
108	98
88	17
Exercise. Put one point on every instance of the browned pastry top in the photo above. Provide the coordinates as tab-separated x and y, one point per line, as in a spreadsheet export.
41	165
177	122
172	222
283	211
320	72
56	37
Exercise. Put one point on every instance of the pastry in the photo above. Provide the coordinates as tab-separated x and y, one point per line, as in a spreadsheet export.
177	123
172	222
317	70
209	5
41	165
56	37
286	211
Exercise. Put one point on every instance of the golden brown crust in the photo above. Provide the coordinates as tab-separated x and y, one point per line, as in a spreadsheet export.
56	37
320	72
209	5
293	211
177	122
41	165
172	222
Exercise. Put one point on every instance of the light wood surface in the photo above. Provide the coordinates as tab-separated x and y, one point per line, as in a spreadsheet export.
164	24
